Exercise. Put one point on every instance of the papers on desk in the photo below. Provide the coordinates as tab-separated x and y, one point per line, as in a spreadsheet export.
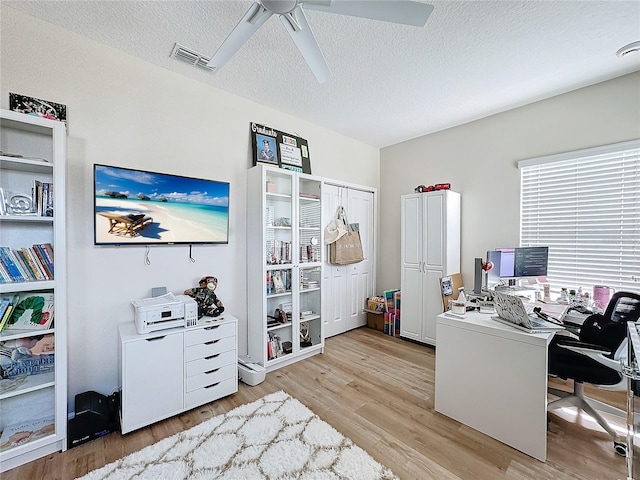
449	313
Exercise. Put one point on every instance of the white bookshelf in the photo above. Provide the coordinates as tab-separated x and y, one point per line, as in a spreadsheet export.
284	237
42	145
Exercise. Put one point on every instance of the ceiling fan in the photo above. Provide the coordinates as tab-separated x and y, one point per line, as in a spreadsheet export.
292	16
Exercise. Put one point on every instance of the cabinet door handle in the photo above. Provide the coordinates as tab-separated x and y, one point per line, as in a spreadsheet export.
155	338
212	356
211	371
212	327
212	385
212	342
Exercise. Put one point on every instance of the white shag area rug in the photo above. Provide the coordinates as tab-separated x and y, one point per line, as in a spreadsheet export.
276	437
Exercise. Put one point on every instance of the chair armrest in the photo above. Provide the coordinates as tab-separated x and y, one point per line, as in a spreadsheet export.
582	347
595	352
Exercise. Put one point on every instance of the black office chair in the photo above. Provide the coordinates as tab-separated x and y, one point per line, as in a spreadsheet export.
595	358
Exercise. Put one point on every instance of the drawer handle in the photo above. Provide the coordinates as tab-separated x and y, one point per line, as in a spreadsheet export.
155	338
212	356
214	385
211	371
212	342
212	327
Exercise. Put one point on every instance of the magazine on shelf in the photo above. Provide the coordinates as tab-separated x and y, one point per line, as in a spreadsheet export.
27	356
20	433
33	311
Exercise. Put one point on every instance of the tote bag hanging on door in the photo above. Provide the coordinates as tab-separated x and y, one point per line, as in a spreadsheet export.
348	248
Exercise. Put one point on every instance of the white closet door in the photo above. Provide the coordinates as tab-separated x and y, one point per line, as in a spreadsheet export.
334	306
360	275
347	287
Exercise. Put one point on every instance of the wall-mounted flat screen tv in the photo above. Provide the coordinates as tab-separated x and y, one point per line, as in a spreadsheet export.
138	207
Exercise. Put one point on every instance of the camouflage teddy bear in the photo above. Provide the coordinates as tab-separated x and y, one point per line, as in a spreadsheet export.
208	302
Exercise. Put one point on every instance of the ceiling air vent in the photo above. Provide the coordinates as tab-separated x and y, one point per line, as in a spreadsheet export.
191	56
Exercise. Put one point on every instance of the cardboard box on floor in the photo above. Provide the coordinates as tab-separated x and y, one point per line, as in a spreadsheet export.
375	320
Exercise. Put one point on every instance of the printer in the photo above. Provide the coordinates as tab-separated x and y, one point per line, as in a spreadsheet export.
165	311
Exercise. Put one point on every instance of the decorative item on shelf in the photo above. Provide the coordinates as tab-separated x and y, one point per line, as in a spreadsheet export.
305	335
208	302
271	186
38	107
432	188
18	204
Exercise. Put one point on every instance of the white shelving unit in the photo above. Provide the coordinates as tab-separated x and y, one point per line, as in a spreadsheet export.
284	265
42	145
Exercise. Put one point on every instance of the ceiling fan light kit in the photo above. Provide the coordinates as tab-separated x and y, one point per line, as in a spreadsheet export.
293	18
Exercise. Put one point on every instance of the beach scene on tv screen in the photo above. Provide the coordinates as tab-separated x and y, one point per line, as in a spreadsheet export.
133	206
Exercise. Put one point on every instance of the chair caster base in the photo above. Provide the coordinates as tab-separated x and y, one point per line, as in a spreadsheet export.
620	448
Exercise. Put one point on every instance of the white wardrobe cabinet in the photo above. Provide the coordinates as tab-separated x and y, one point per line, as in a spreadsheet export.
430	249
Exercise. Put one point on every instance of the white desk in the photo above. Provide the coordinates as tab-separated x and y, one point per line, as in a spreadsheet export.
493	378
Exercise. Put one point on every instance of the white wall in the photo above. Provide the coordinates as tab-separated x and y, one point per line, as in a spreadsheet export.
479	160
125	112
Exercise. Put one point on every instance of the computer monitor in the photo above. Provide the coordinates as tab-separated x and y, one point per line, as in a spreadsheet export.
517	262
531	261
507	262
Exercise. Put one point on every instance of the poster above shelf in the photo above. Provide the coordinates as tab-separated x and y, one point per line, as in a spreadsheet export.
279	149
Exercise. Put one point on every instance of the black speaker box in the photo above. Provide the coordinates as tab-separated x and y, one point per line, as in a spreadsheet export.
96	415
477	276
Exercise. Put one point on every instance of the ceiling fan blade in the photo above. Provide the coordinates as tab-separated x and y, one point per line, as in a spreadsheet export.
405	12
296	24
250	23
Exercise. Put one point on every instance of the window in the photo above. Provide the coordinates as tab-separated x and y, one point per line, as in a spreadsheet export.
585	206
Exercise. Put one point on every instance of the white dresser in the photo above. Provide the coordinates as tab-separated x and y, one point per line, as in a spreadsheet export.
167	372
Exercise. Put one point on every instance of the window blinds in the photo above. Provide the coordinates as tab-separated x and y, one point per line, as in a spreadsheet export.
585	206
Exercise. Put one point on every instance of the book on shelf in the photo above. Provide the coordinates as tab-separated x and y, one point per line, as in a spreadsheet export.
33	311
23	432
27	356
7	259
26	273
4	319
42	198
39	256
47	252
33	262
5	303
26	264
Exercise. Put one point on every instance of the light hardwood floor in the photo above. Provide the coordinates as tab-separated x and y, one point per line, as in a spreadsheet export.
379	392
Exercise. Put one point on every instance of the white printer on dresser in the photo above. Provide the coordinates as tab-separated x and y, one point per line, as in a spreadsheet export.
164	373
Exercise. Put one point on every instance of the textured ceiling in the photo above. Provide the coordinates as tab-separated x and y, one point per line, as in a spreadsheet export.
389	82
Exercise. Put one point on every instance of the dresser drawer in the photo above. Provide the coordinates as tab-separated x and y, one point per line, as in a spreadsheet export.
211	362
207	334
211	377
210	393
212	347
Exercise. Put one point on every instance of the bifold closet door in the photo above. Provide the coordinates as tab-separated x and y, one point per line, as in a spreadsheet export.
348	286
